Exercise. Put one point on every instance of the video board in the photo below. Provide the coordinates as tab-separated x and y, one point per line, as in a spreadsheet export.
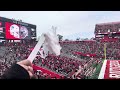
16	30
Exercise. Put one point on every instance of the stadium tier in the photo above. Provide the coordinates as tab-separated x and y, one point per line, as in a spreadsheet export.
107	31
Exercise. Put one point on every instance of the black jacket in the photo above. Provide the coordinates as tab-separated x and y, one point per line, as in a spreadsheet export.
16	72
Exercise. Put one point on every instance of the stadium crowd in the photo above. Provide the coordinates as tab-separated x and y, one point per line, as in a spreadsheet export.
68	63
106	28
92	47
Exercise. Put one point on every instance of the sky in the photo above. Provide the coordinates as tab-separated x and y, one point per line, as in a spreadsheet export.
70	24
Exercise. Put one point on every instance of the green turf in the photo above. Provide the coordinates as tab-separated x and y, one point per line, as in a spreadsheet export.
97	71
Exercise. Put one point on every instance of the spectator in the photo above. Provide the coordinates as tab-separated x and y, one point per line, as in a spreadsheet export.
20	70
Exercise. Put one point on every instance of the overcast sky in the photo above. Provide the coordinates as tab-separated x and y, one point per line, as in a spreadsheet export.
70	24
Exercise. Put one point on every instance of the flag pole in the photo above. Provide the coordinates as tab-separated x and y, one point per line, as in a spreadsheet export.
36	48
105	50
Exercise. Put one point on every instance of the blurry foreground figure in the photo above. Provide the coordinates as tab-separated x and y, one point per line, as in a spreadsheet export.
20	70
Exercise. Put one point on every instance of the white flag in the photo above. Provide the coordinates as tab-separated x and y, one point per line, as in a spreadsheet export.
51	44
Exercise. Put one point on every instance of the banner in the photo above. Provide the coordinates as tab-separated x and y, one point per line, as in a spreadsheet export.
85	54
110	70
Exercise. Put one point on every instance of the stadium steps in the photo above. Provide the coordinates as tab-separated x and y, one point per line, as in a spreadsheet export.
2	51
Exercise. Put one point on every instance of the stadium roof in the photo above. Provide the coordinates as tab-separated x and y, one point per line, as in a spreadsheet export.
108	23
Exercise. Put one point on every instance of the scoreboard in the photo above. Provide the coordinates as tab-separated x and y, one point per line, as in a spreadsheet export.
16	30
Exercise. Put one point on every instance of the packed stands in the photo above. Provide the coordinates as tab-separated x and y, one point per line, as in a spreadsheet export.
68	63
